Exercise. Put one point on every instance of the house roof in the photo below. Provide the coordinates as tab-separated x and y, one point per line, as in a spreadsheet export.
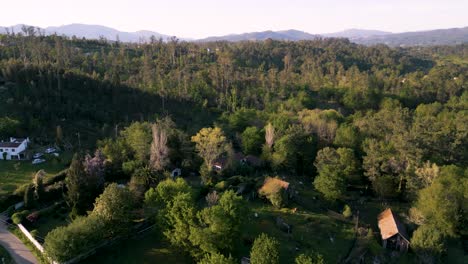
389	225
13	143
9	144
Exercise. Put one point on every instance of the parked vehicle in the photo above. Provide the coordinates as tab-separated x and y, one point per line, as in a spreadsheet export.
38	161
37	155
50	150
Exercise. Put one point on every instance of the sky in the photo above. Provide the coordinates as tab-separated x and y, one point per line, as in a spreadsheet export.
203	18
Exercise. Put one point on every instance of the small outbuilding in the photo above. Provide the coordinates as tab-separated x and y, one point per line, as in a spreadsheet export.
393	232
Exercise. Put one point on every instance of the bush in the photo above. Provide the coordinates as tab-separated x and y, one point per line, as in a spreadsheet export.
265	250
221	186
84	233
33	217
18	217
53	192
428	242
275	192
347	211
21	189
56	178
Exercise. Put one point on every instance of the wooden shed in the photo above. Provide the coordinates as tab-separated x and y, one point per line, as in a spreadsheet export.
393	232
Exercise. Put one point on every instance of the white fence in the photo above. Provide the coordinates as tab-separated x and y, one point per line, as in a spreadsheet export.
31	238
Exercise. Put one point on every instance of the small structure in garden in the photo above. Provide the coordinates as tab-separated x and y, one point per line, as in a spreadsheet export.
176	173
238	157
393	232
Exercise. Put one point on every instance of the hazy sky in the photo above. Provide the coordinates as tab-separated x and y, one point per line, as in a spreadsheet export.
201	18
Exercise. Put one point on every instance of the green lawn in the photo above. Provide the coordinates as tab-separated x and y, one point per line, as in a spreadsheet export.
5	257
16	173
149	248
45	224
310	231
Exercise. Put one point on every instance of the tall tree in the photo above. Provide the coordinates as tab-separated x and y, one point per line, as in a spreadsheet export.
335	167
159	157
210	144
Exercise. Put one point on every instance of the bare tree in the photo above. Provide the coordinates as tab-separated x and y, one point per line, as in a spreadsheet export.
212	198
159	150
269	135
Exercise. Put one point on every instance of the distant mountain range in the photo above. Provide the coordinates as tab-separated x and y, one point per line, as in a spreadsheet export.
93	32
451	36
292	35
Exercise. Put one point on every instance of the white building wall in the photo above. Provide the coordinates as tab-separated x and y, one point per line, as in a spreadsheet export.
14	151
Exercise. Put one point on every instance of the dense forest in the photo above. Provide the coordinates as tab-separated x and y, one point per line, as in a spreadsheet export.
391	123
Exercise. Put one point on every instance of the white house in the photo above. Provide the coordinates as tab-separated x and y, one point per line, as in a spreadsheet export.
13	149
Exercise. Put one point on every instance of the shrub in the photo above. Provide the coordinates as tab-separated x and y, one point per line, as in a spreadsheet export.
66	242
221	186
18	217
56	178
33	217
21	189
275	191
216	258
347	211
212	198
265	250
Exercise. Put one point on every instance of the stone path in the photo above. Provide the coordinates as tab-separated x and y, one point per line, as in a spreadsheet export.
18	251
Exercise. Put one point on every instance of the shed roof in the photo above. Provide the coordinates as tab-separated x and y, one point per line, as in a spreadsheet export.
389	225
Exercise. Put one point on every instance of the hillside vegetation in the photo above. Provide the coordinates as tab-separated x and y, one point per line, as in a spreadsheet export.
344	130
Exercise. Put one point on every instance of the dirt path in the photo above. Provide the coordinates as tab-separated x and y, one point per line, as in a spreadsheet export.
18	251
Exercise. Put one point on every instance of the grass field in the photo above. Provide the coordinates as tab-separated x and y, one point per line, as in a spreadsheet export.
149	248
310	232
16	173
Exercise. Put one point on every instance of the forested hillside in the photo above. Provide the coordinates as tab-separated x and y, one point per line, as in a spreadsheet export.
349	126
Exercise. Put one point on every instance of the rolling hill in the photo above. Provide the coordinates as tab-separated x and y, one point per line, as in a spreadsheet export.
452	36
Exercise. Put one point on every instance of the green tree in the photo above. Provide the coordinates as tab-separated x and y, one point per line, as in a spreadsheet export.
210	144
428	242
265	250
219	225
334	168
138	137
29	196
312	258
115	205
443	204
294	152
81	190
251	140
179	219
346	136
8	127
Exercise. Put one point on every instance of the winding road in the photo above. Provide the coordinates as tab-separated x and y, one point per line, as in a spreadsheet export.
18	251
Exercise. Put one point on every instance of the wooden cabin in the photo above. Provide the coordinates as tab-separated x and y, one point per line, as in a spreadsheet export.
393	232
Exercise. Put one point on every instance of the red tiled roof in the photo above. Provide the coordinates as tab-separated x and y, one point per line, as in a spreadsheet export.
390	226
